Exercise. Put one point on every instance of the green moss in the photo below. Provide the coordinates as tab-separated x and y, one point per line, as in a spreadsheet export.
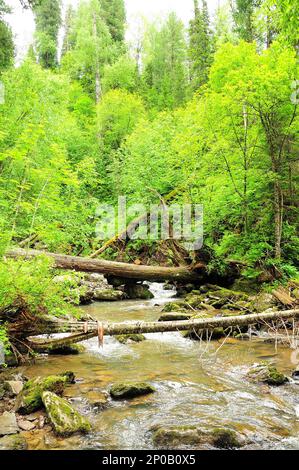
127	338
225	439
64	418
175	307
30	398
266	373
69	376
66	350
131	389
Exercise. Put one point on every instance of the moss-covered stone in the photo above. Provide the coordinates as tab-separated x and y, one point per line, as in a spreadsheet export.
134	338
225	439
138	291
266	373
130	390
178	306
69	376
30	398
191	435
110	295
63	417
262	302
176	436
67	350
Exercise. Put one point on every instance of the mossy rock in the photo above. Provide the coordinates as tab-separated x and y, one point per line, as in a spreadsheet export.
130	390
179	306
225	297
138	291
195	436
226	439
67	350
110	295
194	301
266	373
13	442
30	399
176	436
63	417
130	338
262	302
69	376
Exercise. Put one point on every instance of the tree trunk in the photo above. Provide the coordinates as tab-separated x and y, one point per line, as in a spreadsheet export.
113	268
278	217
83	331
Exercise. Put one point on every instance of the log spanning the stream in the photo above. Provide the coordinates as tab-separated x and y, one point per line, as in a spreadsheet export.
85	330
115	269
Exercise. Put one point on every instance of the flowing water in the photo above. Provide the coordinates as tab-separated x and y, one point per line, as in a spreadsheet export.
197	383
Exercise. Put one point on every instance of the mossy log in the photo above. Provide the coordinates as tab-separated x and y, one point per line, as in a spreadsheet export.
113	268
82	331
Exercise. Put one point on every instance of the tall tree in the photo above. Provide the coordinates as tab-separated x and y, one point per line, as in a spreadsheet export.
200	46
92	50
165	74
48	21
114	14
68	40
243	14
6	39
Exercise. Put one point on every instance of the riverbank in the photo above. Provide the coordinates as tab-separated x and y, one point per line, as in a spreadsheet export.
197	384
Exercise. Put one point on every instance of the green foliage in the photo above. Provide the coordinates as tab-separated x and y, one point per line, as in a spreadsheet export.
122	74
29	285
104	124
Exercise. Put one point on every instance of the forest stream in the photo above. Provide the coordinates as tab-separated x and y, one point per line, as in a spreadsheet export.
197	383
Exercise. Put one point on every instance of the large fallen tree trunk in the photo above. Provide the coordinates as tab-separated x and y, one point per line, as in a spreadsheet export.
85	330
116	269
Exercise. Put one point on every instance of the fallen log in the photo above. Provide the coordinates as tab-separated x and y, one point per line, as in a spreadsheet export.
113	268
85	330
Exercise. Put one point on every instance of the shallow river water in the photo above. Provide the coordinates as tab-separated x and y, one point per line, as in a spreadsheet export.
196	383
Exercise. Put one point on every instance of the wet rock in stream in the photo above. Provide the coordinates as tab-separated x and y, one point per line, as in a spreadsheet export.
130	390
190	435
266	373
66	350
134	338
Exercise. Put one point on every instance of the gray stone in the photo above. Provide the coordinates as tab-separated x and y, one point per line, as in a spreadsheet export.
26	425
107	294
13	442
8	424
14	387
